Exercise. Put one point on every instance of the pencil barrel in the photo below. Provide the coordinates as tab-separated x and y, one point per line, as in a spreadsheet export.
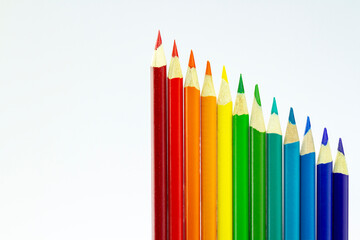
340	206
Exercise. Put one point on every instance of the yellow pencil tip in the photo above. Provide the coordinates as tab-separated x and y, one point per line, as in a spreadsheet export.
224	76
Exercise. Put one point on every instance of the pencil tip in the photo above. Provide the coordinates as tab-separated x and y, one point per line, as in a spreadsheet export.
257	95
158	41
274	107
308	125
224	76
292	116
241	85
192	60
340	147
175	51
208	68
325	137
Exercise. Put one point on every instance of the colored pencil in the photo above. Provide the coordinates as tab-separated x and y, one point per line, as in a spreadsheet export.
241	165
307	185
291	180
175	147
340	196
324	190
192	151
208	158
158	141
224	103
257	170
274	176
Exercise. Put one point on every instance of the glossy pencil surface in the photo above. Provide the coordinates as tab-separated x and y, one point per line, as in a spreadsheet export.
225	230
208	158
158	142
241	165
291	180
340	196
257	171
307	185
274	176
324	190
175	147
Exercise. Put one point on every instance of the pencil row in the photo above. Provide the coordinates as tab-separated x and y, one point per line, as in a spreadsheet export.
220	174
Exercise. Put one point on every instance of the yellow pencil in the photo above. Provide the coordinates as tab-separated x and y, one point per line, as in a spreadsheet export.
224	160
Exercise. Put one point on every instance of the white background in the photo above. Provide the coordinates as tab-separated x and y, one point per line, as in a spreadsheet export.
75	110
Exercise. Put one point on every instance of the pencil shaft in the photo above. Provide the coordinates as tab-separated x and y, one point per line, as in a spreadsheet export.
192	162
208	168
324	201
159	151
175	151
225	231
274	186
292	191
340	206
241	176
257	185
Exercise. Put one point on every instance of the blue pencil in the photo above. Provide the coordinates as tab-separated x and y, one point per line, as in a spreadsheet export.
291	181
340	196
307	185
324	190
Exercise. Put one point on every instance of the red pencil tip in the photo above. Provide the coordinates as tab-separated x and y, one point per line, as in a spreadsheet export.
175	52
208	69
158	41
191	60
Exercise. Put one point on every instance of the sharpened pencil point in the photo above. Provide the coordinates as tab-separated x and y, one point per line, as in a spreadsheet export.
192	60
340	147
325	138
223	75
308	125
274	107
241	85
292	116
158	41
175	51
257	95
208	69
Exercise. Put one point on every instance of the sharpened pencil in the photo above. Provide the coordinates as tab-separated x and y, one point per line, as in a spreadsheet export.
225	230
324	190
291	180
307	185
192	151
340	196
158	142
257	171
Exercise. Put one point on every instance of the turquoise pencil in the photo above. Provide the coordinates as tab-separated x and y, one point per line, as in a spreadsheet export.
307	185
291	181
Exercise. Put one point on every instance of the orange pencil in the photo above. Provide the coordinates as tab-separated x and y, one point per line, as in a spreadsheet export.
192	152
208	158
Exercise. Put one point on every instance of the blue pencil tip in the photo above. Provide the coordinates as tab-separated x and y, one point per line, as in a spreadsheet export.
291	116
274	108
308	125
340	147
325	138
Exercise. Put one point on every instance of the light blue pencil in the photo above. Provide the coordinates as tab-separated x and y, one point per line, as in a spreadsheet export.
291	180
307	185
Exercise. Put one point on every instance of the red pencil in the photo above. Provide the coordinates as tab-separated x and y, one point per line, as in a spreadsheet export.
175	147
158	141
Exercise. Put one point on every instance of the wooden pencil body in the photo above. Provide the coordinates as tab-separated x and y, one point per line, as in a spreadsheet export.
324	201
340	206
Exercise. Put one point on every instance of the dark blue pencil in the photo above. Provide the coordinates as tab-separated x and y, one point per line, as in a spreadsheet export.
307	185
324	190
340	196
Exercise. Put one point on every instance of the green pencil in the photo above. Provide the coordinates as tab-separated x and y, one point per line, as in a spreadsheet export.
241	165
257	171
274	170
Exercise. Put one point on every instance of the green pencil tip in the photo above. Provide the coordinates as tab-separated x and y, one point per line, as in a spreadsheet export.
274	108
257	95
241	85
